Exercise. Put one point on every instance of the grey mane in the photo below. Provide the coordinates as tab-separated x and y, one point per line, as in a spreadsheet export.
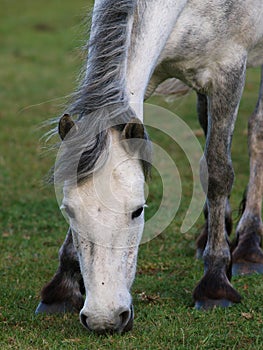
85	149
100	102
103	83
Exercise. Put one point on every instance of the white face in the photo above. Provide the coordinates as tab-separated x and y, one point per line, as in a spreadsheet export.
106	217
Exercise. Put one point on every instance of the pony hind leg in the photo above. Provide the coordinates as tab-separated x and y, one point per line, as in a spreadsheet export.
202	112
248	254
215	288
64	292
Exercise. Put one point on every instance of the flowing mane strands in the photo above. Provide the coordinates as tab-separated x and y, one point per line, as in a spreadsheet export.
87	145
100	101
104	80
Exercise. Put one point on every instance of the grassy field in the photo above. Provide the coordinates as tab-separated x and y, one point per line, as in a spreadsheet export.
40	58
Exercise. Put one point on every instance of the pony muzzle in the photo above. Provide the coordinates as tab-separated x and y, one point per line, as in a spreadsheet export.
121	321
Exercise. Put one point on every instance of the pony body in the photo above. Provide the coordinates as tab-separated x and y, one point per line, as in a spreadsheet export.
134	46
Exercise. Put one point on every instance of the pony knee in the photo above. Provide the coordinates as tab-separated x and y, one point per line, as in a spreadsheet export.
220	179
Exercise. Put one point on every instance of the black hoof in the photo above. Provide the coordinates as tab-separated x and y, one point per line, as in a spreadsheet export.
209	304
246	268
55	308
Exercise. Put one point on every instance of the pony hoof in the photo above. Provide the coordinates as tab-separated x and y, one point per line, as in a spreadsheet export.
246	268
209	304
55	308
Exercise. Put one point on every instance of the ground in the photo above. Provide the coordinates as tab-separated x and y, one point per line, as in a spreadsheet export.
40	59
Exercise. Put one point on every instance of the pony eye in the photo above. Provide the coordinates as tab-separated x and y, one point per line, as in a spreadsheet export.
137	213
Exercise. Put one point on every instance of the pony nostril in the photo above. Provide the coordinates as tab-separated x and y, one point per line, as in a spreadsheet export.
83	319
124	317
127	320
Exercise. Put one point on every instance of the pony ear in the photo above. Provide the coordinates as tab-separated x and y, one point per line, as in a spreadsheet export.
131	135
134	129
64	126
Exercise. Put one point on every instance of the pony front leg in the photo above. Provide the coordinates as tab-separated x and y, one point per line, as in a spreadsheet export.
202	112
248	255
215	287
64	292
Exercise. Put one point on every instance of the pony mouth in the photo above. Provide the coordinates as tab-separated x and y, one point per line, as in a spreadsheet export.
128	325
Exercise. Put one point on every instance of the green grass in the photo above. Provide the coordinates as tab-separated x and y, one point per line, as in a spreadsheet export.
40	58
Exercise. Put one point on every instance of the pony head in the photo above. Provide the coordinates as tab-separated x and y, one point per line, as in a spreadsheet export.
105	207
